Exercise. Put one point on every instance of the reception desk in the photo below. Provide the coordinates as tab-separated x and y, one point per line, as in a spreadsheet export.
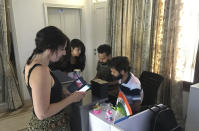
98	122
80	112
138	122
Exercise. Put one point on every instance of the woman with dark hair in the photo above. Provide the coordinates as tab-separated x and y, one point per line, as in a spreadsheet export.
75	58
45	90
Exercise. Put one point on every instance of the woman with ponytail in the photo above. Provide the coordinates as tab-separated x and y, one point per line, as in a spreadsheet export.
45	90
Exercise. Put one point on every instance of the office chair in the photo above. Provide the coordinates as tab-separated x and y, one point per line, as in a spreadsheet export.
150	82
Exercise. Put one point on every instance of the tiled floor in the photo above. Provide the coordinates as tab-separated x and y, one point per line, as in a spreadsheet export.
17	120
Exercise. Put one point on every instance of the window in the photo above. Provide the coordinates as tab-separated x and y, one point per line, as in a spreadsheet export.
188	40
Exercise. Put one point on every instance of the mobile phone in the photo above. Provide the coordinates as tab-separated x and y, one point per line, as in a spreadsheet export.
84	88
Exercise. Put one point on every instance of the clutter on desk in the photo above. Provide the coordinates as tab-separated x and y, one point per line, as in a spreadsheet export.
108	108
97	109
109	115
121	111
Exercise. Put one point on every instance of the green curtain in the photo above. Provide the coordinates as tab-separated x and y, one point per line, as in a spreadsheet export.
9	81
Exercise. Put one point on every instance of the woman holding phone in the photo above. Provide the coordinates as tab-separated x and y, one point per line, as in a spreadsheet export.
44	88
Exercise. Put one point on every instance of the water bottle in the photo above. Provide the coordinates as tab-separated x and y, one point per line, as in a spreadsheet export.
76	73
109	113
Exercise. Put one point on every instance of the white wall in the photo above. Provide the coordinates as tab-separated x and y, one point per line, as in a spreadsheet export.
87	37
99	25
28	17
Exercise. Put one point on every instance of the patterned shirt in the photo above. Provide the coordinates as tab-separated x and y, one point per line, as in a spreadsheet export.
131	88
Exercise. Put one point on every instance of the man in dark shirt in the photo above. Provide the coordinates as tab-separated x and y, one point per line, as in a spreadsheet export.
104	56
104	72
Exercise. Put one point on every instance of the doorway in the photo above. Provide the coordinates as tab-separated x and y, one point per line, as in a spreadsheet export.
66	19
99	29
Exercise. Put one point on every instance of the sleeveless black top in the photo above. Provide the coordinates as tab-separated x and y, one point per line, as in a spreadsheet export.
56	90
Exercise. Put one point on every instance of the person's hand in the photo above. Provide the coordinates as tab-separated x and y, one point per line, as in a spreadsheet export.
77	96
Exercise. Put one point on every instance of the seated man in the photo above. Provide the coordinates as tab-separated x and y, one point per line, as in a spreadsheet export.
104	73
129	84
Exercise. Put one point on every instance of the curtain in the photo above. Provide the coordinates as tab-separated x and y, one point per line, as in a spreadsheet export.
150	33
129	31
9	81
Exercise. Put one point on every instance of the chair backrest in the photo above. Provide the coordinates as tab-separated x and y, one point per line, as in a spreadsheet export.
150	82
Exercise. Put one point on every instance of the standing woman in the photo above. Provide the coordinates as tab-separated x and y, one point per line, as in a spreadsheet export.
75	58
45	90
